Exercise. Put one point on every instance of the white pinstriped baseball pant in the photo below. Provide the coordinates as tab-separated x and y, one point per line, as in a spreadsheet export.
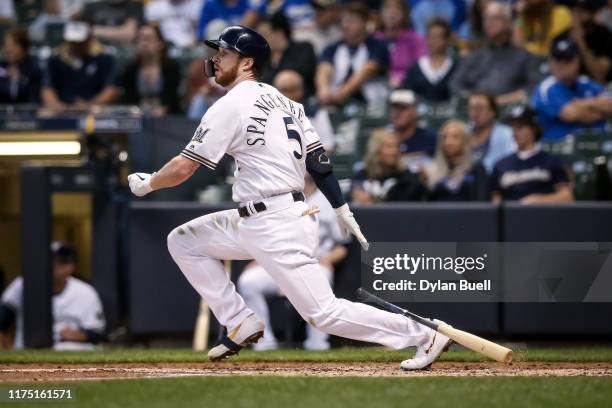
284	242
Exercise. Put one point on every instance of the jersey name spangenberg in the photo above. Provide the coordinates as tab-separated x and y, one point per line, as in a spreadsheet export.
266	103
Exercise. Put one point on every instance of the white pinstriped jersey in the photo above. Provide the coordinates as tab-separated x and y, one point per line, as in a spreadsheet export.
267	134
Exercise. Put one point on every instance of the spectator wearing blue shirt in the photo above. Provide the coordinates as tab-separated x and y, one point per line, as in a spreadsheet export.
490	140
530	175
566	101
301	15
417	144
79	75
422	11
245	12
354	68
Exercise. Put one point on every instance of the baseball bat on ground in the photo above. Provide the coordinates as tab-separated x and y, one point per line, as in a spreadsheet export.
468	340
202	327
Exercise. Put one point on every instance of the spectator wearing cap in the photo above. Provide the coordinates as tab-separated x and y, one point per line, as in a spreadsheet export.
430	76
499	68
290	84
114	21
20	74
567	101
405	45
152	79
538	22
177	19
530	175
286	53
594	40
79	75
453	175
78	316
384	177
417	144
230	12
490	140
326	30
355	68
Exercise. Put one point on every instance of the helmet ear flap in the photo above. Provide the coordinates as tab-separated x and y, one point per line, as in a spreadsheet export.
209	68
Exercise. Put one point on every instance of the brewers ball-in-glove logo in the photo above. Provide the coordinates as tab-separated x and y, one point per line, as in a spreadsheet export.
199	134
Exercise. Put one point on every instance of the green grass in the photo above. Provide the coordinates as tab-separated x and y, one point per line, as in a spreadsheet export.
273	392
569	354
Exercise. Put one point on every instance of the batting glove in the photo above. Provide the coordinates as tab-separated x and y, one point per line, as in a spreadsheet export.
349	224
140	183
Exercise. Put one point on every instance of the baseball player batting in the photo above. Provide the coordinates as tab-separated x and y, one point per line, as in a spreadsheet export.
273	144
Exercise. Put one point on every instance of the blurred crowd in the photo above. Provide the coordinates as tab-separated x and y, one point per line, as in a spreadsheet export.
523	72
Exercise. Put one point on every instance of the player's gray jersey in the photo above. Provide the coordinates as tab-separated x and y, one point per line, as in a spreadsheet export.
267	134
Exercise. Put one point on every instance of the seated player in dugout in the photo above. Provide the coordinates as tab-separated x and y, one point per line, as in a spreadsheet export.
530	175
78	317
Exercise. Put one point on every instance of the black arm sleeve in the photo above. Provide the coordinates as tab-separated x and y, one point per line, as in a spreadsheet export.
320	168
328	184
7	317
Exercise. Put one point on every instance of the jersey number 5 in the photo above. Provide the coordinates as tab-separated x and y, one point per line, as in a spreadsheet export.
292	133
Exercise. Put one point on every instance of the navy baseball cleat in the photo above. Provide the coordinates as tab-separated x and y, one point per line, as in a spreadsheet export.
248	332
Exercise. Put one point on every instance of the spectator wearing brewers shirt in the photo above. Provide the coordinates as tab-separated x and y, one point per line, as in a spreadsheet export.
417	144
384	177
566	101
79	75
530	175
355	68
78	317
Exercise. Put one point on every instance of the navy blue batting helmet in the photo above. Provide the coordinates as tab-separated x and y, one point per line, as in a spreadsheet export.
244	41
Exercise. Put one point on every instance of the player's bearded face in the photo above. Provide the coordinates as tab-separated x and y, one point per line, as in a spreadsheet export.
226	63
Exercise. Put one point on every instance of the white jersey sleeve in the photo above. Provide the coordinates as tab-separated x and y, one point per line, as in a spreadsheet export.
13	294
215	134
311	137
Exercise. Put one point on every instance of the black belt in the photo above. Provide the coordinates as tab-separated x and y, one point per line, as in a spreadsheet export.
259	207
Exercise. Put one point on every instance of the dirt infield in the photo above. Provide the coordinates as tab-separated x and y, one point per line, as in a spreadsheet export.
19	373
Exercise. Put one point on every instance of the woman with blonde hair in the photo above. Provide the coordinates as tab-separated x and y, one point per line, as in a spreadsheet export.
452	175
383	177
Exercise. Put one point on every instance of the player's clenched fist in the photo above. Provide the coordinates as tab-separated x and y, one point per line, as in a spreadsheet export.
349	224
140	183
